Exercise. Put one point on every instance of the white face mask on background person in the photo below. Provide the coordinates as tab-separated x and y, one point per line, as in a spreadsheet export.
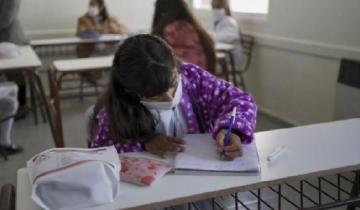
93	11
218	14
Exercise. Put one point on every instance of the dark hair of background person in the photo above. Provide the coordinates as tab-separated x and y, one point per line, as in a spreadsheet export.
103	13
168	11
225	4
143	66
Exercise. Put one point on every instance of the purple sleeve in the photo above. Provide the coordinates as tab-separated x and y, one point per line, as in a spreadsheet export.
104	138
217	98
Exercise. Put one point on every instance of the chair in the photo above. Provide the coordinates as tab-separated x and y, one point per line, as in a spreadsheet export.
7	197
247	43
221	59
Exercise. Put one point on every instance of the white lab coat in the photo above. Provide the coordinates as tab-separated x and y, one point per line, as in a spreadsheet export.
227	31
8	107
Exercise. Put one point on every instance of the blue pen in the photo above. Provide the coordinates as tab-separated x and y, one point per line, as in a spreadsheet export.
228	132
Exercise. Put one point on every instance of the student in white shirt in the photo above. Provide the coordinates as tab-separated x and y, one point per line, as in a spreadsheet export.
8	108
225	28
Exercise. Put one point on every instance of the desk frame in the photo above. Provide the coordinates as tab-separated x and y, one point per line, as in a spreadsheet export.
36	91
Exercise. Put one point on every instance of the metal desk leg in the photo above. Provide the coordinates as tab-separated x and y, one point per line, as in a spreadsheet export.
33	100
355	190
37	82
55	102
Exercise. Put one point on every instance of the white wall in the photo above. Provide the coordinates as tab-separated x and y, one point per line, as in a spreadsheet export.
44	18
297	54
299	45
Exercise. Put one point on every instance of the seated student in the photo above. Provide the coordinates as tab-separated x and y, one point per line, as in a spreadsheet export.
12	31
8	108
153	100
175	23
225	28
95	22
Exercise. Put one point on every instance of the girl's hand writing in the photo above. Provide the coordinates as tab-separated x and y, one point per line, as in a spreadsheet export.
231	151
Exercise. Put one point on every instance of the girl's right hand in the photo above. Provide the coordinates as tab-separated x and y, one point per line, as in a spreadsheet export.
160	145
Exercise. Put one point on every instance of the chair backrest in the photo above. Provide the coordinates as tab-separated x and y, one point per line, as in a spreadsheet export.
7	197
247	43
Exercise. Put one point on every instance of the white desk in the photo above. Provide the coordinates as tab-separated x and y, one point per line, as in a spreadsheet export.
83	64
27	59
311	152
77	40
29	62
72	66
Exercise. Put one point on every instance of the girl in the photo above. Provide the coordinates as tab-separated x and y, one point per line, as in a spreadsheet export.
225	28
175	23
153	100
95	22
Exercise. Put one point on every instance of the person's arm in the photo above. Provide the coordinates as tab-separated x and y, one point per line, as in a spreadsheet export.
226	32
114	27
102	136
81	26
218	97
8	13
156	144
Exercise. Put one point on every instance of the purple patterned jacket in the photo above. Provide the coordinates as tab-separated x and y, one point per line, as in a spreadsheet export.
206	104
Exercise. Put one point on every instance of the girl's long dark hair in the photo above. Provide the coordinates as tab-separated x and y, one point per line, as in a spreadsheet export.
167	11
143	67
103	13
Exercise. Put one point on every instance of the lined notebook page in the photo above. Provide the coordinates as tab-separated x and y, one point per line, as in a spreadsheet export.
200	155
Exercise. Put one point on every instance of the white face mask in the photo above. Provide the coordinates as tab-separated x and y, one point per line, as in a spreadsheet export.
218	14
168	114
93	11
166	105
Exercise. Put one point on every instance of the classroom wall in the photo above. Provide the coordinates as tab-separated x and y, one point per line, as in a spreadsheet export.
297	56
54	18
296	59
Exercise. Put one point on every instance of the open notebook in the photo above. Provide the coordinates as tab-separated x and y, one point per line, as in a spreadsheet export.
200	157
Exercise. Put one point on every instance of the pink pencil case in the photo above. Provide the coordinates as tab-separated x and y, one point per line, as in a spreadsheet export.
142	171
